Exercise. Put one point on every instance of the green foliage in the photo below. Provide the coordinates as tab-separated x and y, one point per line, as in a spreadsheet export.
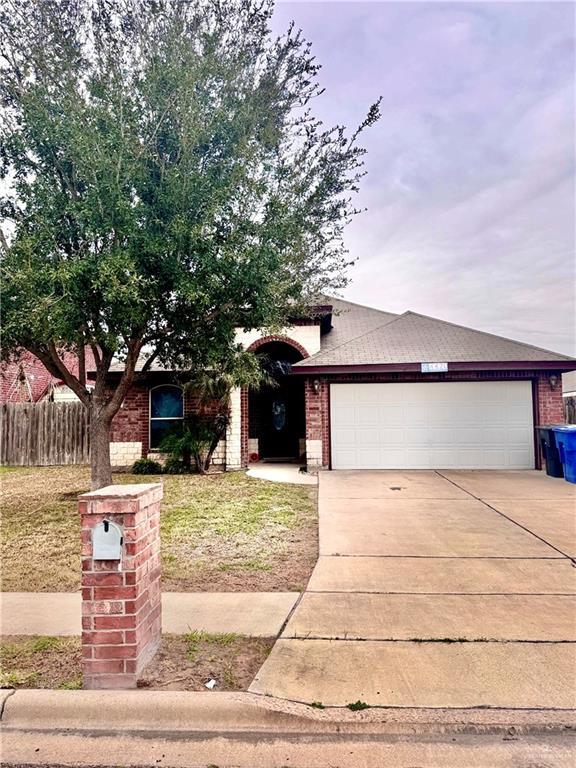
239	369
175	466
166	180
17	679
188	440
146	467
213	387
317	705
198	638
44	643
357	706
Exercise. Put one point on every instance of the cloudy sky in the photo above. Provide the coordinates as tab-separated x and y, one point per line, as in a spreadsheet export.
470	191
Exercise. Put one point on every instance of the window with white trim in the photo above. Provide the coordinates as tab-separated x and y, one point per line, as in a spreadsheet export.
166	410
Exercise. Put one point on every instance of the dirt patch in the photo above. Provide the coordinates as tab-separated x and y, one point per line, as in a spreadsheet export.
187	663
183	663
223	532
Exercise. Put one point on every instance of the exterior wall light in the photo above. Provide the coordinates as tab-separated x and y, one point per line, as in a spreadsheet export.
553	381
316	386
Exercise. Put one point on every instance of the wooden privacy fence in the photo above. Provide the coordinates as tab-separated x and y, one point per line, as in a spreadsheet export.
39	434
570	409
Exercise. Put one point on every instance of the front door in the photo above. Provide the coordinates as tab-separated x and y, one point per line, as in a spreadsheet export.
281	423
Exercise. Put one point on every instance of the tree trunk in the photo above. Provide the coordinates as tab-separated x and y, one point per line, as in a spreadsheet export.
220	435
199	460
101	469
221	422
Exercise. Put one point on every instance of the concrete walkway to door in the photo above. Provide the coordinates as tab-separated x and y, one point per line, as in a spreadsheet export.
436	589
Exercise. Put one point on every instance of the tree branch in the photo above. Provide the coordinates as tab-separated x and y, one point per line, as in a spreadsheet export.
127	378
82	361
146	367
96	353
51	360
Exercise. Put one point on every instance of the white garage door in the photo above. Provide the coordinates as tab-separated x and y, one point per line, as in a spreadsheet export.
470	425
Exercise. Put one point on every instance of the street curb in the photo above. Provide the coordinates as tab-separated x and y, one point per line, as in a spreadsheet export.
174	713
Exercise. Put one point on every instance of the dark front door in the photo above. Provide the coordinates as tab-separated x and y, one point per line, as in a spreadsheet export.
281	420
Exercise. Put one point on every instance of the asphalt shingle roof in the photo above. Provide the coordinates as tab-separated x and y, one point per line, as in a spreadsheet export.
351	320
414	338
366	336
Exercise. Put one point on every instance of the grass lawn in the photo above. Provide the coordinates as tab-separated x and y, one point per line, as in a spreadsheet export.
222	532
184	662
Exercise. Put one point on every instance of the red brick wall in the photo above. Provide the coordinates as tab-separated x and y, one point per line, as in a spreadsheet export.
36	380
317	405
131	423
548	405
245	425
284	339
121	599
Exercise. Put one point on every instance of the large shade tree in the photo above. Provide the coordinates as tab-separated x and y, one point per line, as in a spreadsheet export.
164	181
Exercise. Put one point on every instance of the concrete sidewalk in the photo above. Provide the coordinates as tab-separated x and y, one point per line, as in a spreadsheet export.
257	614
435	590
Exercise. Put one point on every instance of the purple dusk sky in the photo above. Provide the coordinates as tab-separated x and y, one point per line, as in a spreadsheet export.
470	186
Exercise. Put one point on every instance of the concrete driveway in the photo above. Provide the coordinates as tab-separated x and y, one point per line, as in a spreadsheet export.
436	589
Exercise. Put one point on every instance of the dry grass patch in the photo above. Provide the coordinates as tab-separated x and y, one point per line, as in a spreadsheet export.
40	662
222	532
183	663
40	532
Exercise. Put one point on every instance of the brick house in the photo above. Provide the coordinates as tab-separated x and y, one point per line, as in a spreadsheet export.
358	388
26	380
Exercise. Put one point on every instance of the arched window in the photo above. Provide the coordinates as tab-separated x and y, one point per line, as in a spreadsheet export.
166	410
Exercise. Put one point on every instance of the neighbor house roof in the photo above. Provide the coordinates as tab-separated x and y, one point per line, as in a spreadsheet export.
25	379
412	338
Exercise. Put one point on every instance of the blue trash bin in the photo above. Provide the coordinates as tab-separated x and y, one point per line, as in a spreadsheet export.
566	442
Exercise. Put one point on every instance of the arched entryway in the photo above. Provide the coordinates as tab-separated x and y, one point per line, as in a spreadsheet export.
276	420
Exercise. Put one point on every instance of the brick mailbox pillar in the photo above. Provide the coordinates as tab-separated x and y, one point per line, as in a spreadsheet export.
121	608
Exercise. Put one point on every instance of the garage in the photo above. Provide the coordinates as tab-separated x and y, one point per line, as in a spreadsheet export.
432	425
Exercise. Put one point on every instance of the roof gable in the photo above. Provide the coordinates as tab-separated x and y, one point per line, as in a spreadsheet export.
349	321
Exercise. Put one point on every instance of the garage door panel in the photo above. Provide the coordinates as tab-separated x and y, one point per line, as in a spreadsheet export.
472	425
371	437
369	459
418	458
493	413
409	435
521	457
347	415
440	435
498	434
369	394
518	413
442	457
443	415
495	457
389	415
415	415
364	414
467	436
